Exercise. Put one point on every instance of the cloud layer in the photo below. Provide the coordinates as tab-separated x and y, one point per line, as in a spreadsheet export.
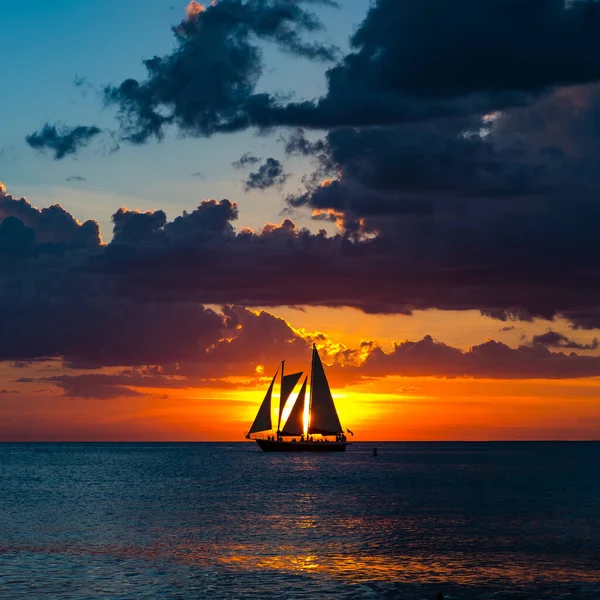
138	302
460	159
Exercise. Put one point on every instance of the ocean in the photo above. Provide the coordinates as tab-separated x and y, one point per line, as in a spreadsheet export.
226	521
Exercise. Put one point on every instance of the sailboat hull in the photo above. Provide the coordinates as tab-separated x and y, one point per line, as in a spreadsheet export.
284	446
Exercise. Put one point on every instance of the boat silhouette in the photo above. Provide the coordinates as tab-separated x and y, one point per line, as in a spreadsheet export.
323	421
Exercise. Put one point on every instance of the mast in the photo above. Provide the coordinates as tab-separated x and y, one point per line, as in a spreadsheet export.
312	385
281	400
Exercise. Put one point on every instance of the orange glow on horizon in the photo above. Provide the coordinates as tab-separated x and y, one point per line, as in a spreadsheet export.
428	410
388	408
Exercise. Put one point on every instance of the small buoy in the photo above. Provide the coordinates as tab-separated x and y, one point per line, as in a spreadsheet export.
374	451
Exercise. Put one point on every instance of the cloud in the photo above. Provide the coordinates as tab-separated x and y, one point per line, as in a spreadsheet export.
53	303
456	261
553	339
270	174
129	383
417	61
65	294
461	163
63	141
75	388
247	159
76	179
208	83
249	338
490	360
49	228
409	62
263	339
478	204
453	261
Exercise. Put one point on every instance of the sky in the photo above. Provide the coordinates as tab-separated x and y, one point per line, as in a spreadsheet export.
191	194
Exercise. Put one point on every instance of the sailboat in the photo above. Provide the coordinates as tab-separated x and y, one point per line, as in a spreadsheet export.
323	420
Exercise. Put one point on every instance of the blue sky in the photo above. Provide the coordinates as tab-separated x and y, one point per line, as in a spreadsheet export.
47	45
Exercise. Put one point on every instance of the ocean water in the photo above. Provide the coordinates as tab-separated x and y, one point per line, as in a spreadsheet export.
226	521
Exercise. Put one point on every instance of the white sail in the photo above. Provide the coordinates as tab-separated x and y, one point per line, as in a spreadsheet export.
263	417
295	422
323	415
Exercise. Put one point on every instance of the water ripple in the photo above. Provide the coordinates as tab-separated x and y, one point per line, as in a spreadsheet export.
222	521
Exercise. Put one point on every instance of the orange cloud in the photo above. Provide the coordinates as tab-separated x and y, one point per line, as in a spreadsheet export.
193	9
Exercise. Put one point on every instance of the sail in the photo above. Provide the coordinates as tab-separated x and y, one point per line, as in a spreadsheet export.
263	417
323	416
295	422
288	383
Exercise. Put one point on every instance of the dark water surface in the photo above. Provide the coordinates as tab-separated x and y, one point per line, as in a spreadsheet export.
224	521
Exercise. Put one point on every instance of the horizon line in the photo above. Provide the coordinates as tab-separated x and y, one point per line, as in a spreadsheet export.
531	441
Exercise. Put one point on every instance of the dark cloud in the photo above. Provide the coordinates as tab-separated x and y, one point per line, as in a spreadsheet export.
63	141
507	328
270	174
207	85
250	339
52	303
441	203
246	160
77	387
415	61
553	339
490	360
258	338
297	144
134	227
46	229
16	240
486	214
126	383
513	265
89	326
76	179
274	338
408	62
424	261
